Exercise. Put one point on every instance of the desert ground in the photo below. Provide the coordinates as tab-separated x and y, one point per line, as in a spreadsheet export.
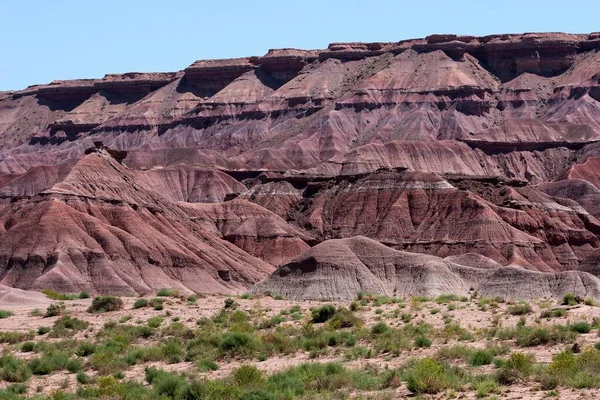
175	346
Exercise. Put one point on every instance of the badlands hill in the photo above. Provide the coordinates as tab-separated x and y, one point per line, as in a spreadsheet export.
468	162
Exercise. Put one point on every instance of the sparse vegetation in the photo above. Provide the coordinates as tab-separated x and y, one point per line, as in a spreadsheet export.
474	355
54	295
55	309
105	304
520	308
323	313
167	292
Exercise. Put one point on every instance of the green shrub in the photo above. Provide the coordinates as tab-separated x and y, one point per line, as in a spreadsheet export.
520	308
518	366
207	365
74	365
456	352
569	299
530	337
447	298
84	379
481	357
41	365
580	327
248	376
42	330
237	341
55	309
103	304
428	376
5	314
230	303
157	304
166	292
54	295
139	303
155	322
379	328
485	387
422	341
173	350
323	313
66	326
13	369
343	318
107	362
556	313
192	299
27	347
85	349
166	385
15	337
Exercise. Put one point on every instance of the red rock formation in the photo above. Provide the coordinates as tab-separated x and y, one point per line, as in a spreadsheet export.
456	146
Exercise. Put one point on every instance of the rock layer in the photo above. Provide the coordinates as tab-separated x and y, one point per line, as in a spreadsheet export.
342	268
481	151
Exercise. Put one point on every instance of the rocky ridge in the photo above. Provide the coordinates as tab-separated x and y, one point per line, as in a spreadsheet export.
482	150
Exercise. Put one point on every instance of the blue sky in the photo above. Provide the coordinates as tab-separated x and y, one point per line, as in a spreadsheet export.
44	40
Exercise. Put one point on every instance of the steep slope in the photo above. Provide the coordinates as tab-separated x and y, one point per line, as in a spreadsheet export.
99	228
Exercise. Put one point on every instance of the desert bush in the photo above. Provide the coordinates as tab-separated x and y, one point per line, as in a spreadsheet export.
379	328
428	376
173	350
323	313
248	376
343	318
13	369
520	308
454	331
238	343
42	330
230	303
530	337
556	313
485	387
207	365
103	304
47	363
456	352
5	314
569	299
84	379
55	309
192	299
448	298
54	295
74	366
580	327
139	303
66	326
155	322
422	341
107	362
481	357
167	292
518	366
15	337
85	349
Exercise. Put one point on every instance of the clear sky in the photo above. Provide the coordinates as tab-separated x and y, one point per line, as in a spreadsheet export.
44	40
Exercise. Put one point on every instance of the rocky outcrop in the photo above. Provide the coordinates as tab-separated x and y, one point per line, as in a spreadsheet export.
341	269
475	150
